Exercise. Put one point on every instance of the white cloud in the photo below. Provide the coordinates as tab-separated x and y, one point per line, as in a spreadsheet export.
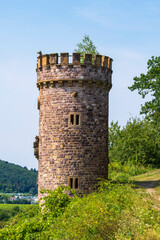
138	17
94	16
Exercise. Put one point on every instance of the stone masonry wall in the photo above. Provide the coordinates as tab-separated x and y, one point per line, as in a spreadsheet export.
73	151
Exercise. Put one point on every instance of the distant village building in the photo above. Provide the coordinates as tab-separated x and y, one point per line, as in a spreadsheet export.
13	198
72	146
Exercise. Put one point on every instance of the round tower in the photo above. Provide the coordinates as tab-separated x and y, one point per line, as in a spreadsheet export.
72	147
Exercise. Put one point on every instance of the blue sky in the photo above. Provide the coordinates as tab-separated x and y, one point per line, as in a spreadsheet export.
127	31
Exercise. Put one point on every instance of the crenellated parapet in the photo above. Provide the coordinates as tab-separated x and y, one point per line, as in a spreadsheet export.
53	69
48	60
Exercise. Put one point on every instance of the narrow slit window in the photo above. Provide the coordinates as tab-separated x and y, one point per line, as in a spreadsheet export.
72	119
76	183
71	182
77	119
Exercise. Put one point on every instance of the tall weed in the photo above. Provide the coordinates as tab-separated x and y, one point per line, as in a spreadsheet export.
114	211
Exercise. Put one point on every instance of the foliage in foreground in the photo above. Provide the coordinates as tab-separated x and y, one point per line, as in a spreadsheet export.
9	210
115	211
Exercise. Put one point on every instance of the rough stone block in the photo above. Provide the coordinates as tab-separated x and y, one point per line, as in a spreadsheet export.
88	59
39	62
110	60
45	60
97	60
64	58
105	61
53	58
76	58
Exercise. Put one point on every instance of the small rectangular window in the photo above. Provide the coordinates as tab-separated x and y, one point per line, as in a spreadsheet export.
76	183
73	182
74	119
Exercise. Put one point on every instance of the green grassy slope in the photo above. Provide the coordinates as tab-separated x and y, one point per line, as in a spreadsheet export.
150	181
11	206
115	211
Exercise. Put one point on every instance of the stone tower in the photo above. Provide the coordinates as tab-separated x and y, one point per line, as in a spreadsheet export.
72	147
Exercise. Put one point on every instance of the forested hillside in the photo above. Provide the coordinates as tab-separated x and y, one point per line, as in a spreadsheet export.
14	178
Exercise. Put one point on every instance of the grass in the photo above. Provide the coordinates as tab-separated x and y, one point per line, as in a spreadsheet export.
149	176
119	172
11	206
7	211
150	181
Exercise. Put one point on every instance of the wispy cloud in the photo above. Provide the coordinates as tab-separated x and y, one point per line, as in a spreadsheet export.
129	17
94	16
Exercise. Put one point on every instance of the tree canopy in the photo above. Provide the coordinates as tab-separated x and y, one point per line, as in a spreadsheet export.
136	143
149	84
86	46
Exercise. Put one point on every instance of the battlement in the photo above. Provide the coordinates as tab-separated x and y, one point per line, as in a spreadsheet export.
48	60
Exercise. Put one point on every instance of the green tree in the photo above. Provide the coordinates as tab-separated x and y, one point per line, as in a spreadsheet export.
114	132
86	46
149	83
136	143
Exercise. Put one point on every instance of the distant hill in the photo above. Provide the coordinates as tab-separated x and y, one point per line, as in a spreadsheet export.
14	178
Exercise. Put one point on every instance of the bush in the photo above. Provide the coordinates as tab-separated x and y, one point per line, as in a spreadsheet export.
4	215
114	211
55	202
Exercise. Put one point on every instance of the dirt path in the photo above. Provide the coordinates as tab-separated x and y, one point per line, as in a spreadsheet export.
151	182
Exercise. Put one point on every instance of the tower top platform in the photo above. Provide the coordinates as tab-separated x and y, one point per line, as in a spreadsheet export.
53	68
